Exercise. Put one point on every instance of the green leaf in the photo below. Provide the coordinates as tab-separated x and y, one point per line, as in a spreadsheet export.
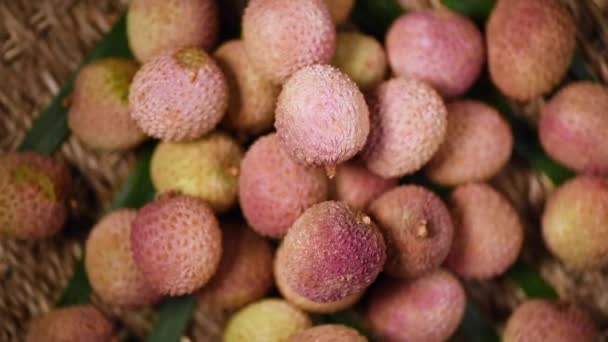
174	316
475	327
138	189
78	291
51	128
533	285
477	9
375	16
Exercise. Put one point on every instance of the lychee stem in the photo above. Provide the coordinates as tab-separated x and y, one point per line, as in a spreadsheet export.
330	170
421	230
232	171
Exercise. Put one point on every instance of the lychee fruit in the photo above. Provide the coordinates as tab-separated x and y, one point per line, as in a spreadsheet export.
75	323
340	10
245	271
356	186
266	320
34	191
488	233
572	127
252	97
330	254
539	320
321	116
179	95
177	244
207	168
408	124
362	58
110	266
427	309
417	227
329	333
274	190
281	37
477	145
155	26
530	46
441	47
575	222
99	113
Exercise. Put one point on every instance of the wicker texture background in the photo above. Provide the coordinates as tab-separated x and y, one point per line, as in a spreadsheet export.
42	42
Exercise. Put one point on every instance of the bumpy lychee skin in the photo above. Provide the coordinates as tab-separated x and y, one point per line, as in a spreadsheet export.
252	97
329	333
281	37
321	116
356	186
361	57
340	10
540	320
477	145
408	124
330	254
440	47
433	306
110	266
573	125
75	323
34	190
274	190
99	114
266	320
245	272
154	26
417	227
575	222
488	233
179	95
530	46
177	244
207	168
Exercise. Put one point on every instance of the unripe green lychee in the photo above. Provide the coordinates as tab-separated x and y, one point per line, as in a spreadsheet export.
155	26
34	190
99	113
110	266
361	57
265	321
575	222
207	168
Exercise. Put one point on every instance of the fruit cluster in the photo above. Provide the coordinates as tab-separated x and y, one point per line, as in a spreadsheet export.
328	182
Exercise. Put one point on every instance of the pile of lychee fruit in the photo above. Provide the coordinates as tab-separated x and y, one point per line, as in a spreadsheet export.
310	130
